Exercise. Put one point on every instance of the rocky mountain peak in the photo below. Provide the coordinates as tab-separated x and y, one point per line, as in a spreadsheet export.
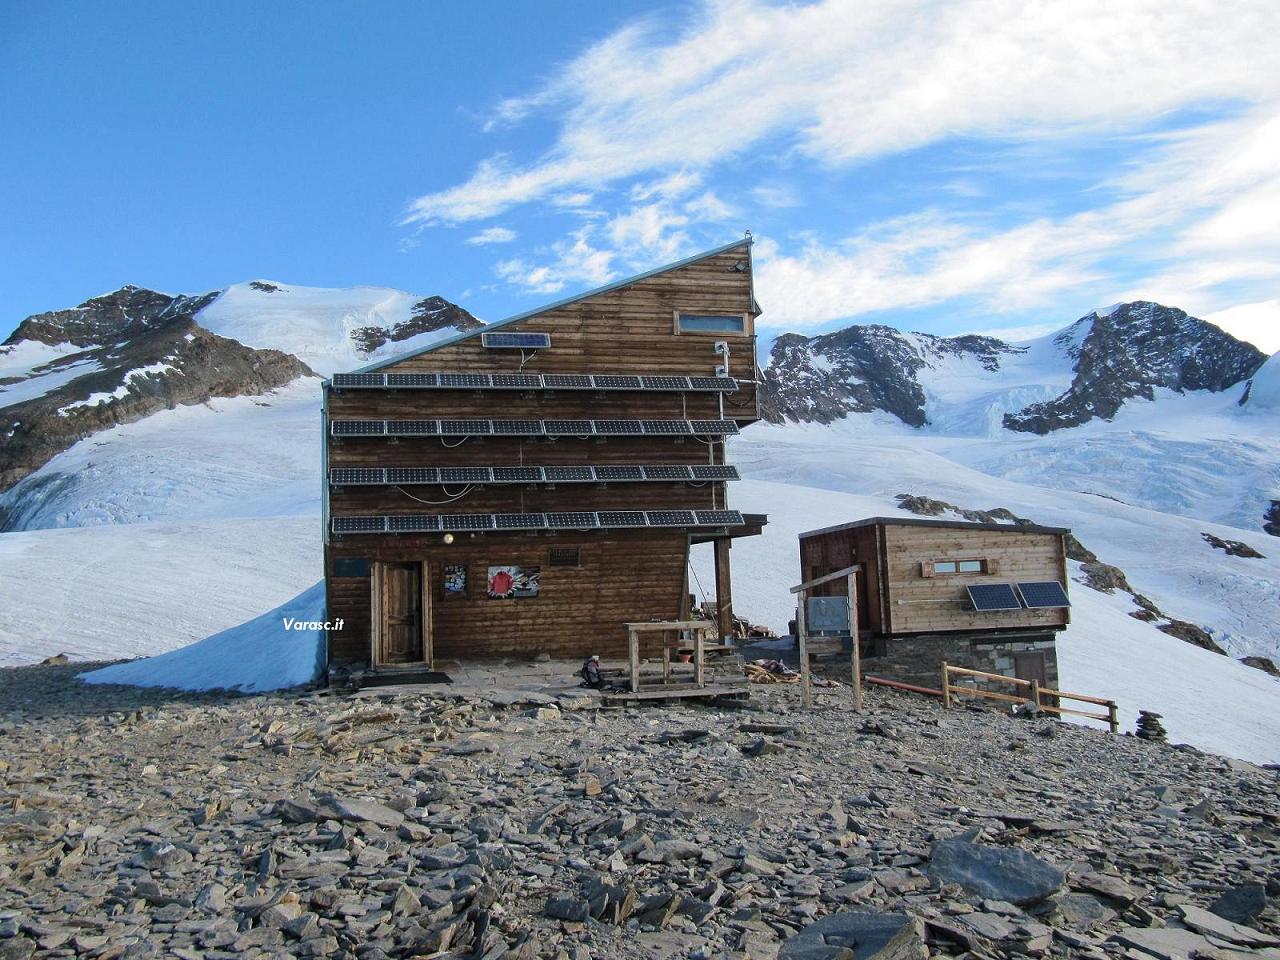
1128	352
109	318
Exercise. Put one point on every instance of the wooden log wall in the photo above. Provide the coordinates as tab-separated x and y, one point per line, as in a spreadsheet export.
1020	556
829	552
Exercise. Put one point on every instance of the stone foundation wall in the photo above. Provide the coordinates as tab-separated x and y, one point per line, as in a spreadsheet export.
919	659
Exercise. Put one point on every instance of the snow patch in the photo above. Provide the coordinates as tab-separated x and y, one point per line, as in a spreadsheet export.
266	653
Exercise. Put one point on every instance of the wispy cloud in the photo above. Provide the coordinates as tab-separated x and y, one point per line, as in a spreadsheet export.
845	82
492	235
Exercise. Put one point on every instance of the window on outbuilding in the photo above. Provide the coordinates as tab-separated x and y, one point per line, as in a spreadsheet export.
723	323
943	568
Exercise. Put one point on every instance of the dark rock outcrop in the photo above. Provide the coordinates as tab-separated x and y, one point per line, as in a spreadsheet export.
861	369
1233	548
142	352
1265	664
1131	351
431	314
995	873
1271	519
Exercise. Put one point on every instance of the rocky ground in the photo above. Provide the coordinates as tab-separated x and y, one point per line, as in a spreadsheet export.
438	822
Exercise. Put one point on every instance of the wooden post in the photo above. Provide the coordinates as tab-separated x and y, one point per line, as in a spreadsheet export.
724	590
698	653
946	687
857	643
1035	692
802	631
634	656
666	663
1113	716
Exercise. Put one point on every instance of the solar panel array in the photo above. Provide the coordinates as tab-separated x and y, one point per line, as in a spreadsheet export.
532	381
612	473
516	341
532	428
993	596
571	520
1043	594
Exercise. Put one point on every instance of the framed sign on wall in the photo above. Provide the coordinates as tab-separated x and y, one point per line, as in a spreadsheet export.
511	582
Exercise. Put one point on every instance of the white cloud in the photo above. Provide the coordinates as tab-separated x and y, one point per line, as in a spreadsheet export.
775	195
1259	323
842	82
574	261
492	235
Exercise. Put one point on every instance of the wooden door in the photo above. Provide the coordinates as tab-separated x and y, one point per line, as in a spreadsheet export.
401	637
1029	665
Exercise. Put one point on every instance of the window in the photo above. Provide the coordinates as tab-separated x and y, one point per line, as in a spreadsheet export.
721	323
565	557
942	568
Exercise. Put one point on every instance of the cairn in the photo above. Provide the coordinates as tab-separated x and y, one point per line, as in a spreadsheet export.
1150	727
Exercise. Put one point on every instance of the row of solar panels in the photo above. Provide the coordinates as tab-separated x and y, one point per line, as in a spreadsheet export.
619	473
532	428
572	520
1032	595
529	381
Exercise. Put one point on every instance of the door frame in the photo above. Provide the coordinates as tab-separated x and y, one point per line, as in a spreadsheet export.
377	618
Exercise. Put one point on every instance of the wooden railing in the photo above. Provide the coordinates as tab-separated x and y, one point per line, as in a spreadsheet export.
1036	695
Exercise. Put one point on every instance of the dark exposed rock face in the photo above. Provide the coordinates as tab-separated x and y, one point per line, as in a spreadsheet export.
1271	519
1265	664
1128	354
433	313
143	352
861	369
1234	548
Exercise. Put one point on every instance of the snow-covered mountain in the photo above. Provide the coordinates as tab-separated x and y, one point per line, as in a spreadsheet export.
226	489
125	356
981	385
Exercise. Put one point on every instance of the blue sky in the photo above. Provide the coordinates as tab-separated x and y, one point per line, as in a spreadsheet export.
974	165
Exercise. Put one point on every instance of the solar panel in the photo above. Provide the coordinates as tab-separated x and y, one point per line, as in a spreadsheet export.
715	428
518	428
417	380
466	521
993	596
560	428
516	341
665	427
469	428
608	381
413	475
358	380
617	428
566	381
517	381
568	474
519	521
667	472
464	380
412	428
357	428
665	383
1043	594
517	474
719	518
413	523
720	384
355	475
359	524
671	518
465	475
715	472
576	520
622	518
613	474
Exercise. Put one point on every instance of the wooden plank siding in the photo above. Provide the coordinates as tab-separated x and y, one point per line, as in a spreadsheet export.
625	575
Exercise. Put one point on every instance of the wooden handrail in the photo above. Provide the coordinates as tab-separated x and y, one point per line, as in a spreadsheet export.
1111	717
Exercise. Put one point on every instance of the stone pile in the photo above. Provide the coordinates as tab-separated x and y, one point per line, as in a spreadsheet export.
1150	727
433	823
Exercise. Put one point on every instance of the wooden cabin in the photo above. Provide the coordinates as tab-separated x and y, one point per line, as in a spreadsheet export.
985	596
533	485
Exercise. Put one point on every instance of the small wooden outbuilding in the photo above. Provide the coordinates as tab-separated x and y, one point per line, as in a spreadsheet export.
986	596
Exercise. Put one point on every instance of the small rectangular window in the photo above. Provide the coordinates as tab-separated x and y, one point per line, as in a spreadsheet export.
970	566
941	567
944	566
711	323
565	557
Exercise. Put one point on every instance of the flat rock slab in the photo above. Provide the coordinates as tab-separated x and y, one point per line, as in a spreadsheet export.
1241	904
364	810
1213	925
1165	943
858	935
995	873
